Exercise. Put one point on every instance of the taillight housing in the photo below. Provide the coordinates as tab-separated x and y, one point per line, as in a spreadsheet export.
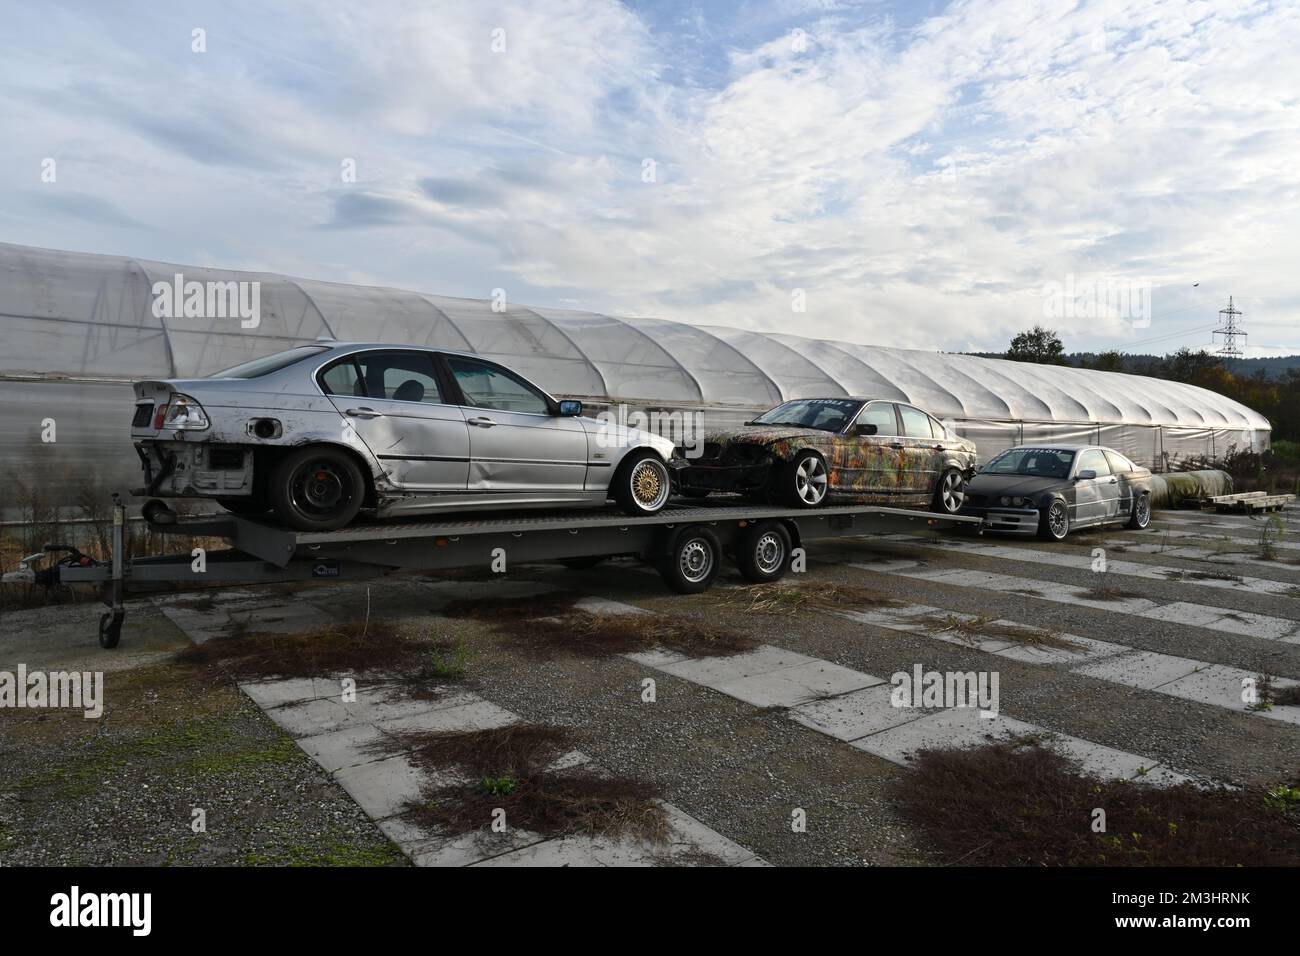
180	411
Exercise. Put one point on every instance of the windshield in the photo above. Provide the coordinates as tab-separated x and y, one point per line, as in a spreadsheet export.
824	414
1036	462
271	363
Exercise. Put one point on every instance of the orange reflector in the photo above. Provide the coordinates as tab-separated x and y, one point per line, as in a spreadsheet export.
439	542
741	524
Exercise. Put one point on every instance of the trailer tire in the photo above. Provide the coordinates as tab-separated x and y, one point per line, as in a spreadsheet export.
691	562
763	552
317	488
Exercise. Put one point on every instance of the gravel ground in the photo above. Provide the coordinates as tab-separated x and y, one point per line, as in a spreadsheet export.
740	769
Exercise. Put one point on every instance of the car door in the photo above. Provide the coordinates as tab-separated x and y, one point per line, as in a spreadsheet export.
394	402
869	465
1123	470
516	443
1096	499
922	453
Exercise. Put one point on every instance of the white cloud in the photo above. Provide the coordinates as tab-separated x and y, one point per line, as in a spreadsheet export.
921	180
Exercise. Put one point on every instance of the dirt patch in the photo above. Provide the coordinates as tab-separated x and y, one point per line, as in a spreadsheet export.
798	598
1020	804
984	626
348	648
543	624
513	769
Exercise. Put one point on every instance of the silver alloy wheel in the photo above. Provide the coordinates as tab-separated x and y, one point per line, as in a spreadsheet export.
695	560
1057	521
769	553
649	479
953	492
1143	511
810	480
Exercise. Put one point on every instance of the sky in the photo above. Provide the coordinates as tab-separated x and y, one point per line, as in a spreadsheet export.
929	175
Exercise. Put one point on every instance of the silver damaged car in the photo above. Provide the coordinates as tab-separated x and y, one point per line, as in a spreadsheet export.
317	434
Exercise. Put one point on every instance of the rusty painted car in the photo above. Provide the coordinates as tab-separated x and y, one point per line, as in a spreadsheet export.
1052	490
319	433
807	451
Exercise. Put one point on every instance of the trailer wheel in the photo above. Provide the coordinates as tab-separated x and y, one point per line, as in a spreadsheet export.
110	628
691	563
763	552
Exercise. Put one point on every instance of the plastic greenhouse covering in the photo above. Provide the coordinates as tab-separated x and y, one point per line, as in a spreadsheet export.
76	328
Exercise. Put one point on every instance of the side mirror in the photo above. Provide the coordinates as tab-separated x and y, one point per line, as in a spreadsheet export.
570	407
866	428
1085	475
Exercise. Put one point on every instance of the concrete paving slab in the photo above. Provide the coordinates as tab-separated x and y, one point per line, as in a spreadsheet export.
856	714
795	685
957	727
1146	670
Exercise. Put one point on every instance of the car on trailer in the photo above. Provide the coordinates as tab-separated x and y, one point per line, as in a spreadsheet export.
1051	490
810	451
317	434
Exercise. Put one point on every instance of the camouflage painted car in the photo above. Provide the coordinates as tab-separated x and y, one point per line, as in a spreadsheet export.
1053	489
807	450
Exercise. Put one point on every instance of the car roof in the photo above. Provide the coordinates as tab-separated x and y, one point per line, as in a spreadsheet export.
1061	446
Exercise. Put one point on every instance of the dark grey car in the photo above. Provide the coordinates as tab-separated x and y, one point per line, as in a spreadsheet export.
1054	489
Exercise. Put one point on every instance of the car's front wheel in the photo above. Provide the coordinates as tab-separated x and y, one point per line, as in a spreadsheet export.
950	494
1141	516
641	486
804	481
1054	524
317	489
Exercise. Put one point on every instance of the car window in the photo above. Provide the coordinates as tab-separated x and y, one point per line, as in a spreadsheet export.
824	414
880	414
486	386
916	423
1118	463
937	429
1032	462
342	379
400	377
271	363
1095	460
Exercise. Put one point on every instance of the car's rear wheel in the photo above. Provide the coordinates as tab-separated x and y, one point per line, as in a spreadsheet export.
763	552
1054	524
317	489
641	486
950	494
1141	516
804	481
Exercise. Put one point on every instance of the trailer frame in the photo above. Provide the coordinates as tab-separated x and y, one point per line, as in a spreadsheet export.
686	541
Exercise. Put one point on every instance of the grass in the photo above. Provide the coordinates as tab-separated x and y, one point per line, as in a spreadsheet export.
540	625
799	598
1108	592
984	625
512	769
346	648
1021	804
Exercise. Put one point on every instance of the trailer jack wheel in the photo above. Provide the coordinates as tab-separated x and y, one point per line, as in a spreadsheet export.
110	628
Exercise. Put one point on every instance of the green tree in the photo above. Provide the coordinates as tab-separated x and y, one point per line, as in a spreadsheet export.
1037	345
1111	361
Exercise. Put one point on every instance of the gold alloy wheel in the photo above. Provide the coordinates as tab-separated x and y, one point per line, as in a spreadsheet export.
649	484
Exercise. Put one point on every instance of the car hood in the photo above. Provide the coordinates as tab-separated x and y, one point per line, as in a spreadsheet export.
1024	485
765	435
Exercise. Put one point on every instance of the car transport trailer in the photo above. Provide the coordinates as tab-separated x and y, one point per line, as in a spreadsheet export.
686	542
